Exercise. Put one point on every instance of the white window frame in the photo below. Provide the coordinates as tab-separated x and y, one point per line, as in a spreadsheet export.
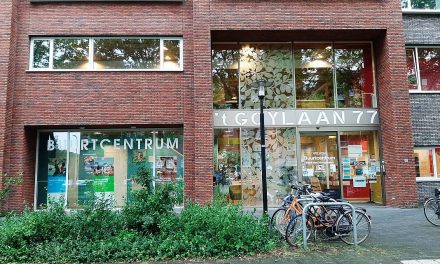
436	176
417	68
410	10
91	54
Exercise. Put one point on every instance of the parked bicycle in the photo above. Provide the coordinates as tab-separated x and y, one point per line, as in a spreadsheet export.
290	208
330	222
431	208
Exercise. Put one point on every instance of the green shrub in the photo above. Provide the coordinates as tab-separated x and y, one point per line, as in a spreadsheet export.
145	229
8	186
145	211
214	231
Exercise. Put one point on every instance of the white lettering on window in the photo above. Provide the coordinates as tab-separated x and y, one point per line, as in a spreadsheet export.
254	121
322	117
157	143
94	143
273	116
374	113
283	116
101	144
304	117
148	143
341	117
173	145
50	145
84	143
241	121
360	113
128	143
116	143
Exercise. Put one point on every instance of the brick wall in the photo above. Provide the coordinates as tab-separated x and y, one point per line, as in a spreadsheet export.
421	29
8	39
426	119
425	190
105	99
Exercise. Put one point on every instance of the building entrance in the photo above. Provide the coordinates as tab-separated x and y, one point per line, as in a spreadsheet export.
319	161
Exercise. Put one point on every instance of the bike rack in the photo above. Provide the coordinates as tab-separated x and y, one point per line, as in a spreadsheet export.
323	204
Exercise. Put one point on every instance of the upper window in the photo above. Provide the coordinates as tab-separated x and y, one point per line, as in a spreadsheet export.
420	4
301	75
423	68
110	53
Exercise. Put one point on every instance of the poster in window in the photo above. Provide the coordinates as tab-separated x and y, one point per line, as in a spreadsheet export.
103	175
359	182
56	180
166	168
346	169
354	151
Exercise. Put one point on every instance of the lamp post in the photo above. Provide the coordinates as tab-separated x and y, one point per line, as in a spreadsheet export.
262	84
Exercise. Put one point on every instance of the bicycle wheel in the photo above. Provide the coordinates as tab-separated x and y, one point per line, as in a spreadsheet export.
280	221
344	227
294	231
432	211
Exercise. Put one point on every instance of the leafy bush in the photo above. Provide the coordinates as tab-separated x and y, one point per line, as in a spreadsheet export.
145	229
144	212
214	231
8	185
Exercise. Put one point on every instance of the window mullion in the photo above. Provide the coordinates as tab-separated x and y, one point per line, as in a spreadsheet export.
181	54
31	55
51	53
91	54
161	50
416	63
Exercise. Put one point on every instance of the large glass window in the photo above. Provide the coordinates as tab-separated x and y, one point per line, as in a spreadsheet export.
427	64
41	51
271	62
301	75
354	75
420	4
127	53
361	166
411	70
78	166
427	161
237	156
113	53
225	76
71	53
319	158
314	75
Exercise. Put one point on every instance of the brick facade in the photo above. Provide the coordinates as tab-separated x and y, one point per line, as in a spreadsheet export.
148	99
425	109
425	190
421	29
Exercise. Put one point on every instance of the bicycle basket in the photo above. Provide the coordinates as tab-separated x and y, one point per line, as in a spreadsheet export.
437	192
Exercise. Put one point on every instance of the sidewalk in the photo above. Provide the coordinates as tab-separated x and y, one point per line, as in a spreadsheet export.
396	235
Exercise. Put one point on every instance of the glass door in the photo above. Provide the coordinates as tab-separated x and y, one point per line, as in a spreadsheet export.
319	160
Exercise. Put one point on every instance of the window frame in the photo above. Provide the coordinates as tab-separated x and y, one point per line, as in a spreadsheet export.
81	130
436	176
410	10
91	54
294	93
417	68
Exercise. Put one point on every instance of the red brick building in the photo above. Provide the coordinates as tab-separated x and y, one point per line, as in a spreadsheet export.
69	71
